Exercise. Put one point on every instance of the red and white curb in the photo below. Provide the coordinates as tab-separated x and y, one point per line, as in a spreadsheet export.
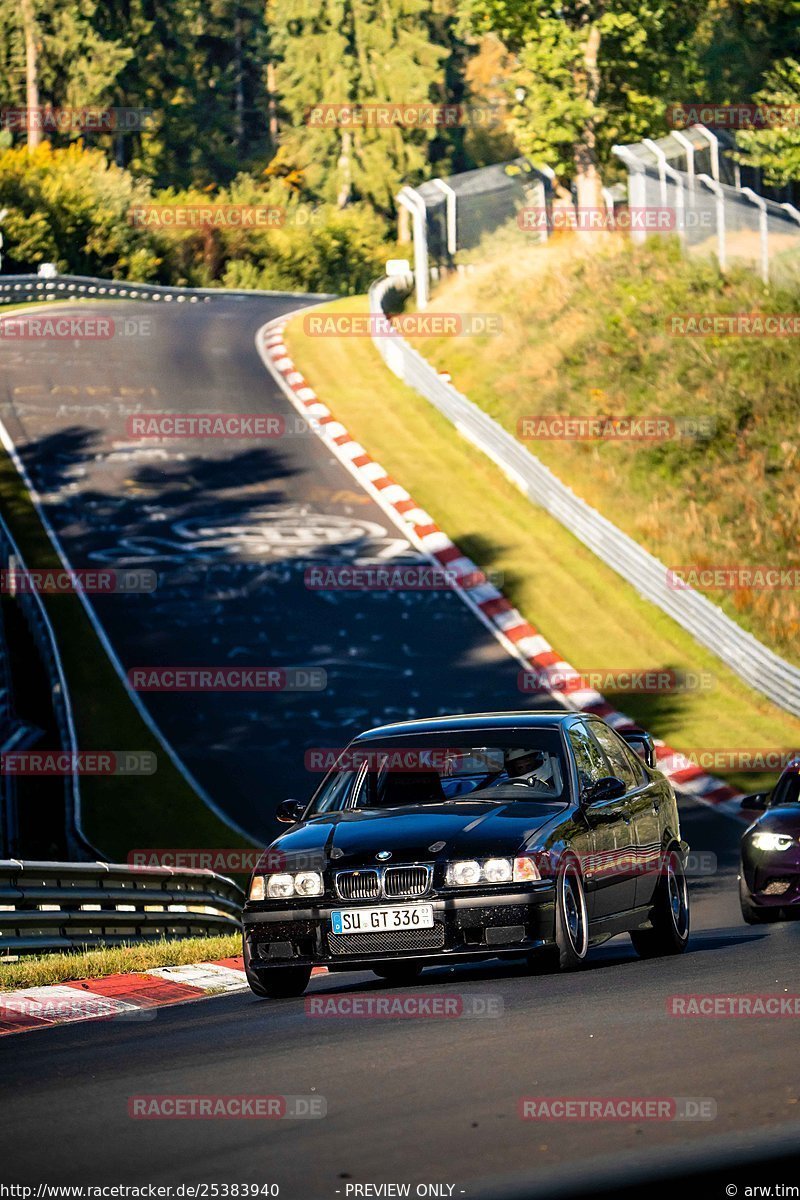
120	997
508	625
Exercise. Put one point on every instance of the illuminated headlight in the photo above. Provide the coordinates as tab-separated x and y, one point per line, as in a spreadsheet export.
285	885
280	887
463	874
762	840
498	870
495	870
308	883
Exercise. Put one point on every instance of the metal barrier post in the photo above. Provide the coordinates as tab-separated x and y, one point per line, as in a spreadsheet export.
416	206
715	187
636	186
452	232
661	159
713	142
680	205
686	145
763	231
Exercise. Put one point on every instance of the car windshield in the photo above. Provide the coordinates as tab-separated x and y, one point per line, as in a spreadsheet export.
517	767
787	790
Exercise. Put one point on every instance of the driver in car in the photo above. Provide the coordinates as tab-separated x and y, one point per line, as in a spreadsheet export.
526	768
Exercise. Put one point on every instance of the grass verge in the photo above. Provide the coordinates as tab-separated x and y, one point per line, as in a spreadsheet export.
596	331
120	813
584	609
42	970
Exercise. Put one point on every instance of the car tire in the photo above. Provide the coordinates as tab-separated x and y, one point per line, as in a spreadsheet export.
670	914
279	983
754	914
398	974
571	920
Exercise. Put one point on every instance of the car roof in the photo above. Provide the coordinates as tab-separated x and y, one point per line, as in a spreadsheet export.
464	722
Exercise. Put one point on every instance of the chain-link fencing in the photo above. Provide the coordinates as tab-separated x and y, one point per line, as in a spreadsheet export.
714	205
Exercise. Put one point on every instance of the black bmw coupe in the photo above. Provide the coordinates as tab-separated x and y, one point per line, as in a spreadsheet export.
534	835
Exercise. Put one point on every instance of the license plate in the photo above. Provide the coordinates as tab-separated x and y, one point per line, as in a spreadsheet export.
374	920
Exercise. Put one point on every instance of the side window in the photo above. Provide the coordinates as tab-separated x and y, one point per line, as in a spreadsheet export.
617	753
588	758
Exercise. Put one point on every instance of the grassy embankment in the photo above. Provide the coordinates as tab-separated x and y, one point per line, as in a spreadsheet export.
588	614
46	969
587	333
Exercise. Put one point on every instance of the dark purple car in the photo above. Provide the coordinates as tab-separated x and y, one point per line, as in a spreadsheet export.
769	881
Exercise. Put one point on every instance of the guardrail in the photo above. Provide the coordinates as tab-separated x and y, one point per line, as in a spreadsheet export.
750	659
68	287
49	906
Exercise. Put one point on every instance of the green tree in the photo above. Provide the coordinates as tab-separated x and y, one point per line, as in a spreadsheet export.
737	43
592	73
332	52
55	57
775	147
198	67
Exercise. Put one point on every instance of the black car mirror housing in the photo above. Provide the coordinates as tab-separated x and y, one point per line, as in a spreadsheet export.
757	801
642	744
290	811
608	788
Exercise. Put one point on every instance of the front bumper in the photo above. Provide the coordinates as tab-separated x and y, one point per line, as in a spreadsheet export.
772	877
475	926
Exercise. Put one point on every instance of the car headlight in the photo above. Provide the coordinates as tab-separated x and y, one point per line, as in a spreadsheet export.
498	870
470	873
284	885
308	883
463	874
763	840
280	887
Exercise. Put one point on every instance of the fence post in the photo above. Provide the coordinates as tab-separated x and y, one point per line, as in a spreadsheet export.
636	185
688	148
416	206
714	186
540	201
713	142
661	159
452	228
680	206
763	230
793	212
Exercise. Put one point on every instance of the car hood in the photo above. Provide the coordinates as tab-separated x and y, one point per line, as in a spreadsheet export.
784	819
458	829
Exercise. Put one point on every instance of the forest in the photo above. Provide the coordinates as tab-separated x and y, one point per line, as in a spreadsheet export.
109	105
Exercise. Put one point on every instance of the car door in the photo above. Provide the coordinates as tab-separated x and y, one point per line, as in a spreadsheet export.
609	890
643	799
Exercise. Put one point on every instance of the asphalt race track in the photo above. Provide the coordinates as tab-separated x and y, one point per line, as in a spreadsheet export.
428	1100
231	526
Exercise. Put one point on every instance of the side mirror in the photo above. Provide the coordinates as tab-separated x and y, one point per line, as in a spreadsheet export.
757	801
290	811
642	744
607	788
